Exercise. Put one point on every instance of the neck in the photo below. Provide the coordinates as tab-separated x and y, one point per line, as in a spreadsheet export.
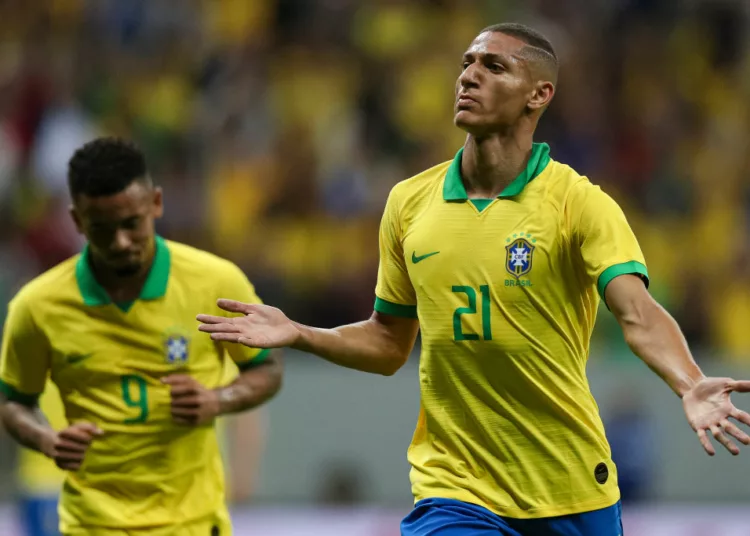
490	163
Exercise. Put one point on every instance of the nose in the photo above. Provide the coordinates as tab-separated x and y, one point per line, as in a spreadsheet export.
122	241
469	78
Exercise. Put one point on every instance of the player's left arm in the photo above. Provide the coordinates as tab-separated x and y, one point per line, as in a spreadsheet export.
614	262
654	336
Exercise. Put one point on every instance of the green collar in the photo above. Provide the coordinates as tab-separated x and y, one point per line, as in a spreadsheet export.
154	288
454	190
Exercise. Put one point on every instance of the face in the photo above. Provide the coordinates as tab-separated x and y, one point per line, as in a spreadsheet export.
496	87
120	227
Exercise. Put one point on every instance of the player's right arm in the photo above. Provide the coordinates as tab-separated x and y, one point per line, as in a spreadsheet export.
24	364
380	344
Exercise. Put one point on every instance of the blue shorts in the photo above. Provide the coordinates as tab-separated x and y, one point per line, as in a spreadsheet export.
446	517
39	516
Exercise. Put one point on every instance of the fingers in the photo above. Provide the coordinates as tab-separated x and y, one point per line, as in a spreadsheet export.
212	319
219	328
182	387
740	386
735	432
741	416
225	337
730	445
72	443
707	446
234	306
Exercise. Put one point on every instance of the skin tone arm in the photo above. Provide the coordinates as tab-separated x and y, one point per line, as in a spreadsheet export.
28	426
194	404
654	336
380	345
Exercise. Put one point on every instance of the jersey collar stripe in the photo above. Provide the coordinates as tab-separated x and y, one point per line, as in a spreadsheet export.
453	187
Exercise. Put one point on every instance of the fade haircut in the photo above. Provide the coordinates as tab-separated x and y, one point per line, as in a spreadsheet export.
538	50
106	166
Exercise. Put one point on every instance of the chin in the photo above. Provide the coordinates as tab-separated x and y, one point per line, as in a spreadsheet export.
469	122
127	271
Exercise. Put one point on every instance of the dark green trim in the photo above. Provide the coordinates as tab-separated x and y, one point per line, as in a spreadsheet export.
453	186
156	283
154	288
481	204
632	267
13	395
395	309
262	357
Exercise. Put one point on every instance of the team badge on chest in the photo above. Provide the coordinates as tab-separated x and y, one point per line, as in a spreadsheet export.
519	255
176	346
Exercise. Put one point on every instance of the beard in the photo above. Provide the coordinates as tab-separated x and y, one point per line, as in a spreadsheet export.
128	271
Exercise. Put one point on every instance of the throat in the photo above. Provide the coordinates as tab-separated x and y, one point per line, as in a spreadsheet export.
489	166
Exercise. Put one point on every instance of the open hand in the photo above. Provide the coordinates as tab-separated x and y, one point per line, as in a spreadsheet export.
192	403
262	326
68	447
708	407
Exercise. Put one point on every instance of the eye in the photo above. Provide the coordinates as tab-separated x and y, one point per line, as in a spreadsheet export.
496	68
465	65
131	223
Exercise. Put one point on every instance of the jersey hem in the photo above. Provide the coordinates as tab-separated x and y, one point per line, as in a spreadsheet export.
538	513
260	358
14	395
623	268
395	309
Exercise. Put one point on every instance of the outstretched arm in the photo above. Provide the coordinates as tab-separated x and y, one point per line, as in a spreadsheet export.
654	336
380	345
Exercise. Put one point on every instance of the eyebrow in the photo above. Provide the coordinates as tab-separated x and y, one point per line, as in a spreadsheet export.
492	56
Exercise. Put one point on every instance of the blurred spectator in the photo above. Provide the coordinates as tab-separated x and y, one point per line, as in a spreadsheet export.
279	128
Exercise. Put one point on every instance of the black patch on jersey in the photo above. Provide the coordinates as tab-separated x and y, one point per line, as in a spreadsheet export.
601	473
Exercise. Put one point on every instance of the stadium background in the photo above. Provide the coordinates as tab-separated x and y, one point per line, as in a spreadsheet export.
277	128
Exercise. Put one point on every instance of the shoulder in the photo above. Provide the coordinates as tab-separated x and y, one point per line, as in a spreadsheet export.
424	182
54	284
191	264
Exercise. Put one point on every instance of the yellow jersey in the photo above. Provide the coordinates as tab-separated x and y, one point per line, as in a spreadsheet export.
107	361
37	475
506	292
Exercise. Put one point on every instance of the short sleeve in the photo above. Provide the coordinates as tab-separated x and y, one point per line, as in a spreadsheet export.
394	292
25	356
608	246
236	286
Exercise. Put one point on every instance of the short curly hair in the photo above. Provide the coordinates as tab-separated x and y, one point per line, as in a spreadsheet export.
106	166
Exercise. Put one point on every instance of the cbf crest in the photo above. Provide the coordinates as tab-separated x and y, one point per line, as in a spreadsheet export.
519	256
176	346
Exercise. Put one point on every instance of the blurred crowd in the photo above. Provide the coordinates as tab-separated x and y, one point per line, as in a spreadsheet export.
277	128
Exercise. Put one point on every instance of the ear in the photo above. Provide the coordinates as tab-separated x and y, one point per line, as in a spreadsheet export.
541	97
76	218
158	202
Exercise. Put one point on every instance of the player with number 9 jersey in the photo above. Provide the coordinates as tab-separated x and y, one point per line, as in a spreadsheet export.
149	471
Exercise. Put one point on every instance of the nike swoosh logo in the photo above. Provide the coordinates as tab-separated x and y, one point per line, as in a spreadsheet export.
416	259
77	358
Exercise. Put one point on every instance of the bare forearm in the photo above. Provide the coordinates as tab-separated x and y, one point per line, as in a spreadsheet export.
253	387
27	426
369	346
655	337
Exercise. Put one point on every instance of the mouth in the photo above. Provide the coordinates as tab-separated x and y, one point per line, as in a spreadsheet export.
465	101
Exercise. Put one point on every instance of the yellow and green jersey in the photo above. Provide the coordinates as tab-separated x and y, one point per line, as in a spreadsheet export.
107	360
506	292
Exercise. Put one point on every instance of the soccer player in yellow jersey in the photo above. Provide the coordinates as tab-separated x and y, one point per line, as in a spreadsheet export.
114	329
501	257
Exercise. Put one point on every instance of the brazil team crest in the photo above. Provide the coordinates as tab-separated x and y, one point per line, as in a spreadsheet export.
176	346
519	256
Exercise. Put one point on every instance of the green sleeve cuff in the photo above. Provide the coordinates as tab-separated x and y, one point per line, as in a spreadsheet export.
632	267
395	309
13	395
254	362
